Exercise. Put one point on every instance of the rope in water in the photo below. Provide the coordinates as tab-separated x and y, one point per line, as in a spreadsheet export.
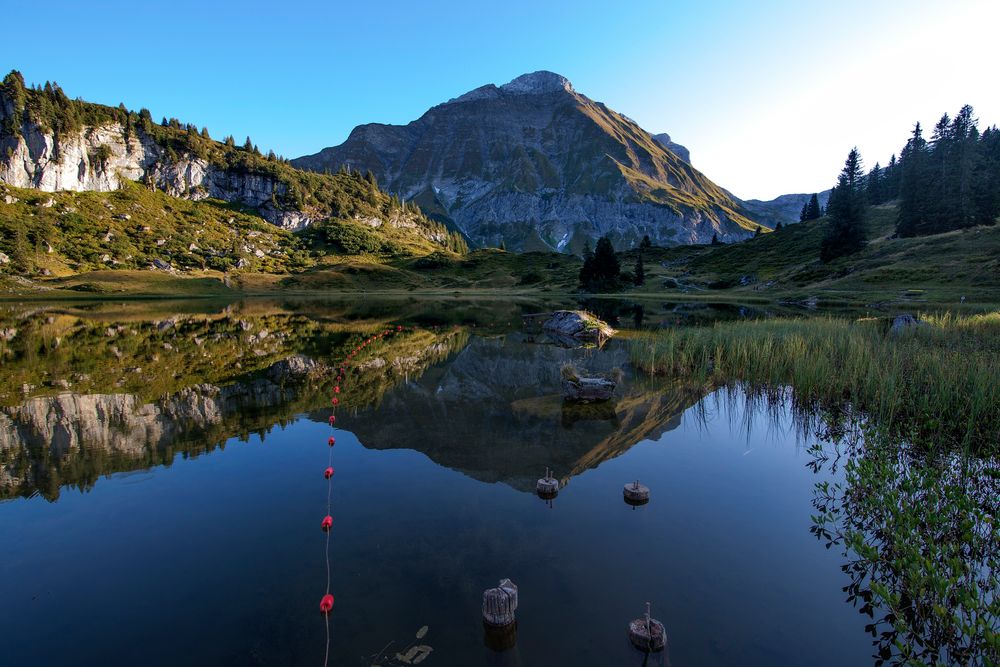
326	602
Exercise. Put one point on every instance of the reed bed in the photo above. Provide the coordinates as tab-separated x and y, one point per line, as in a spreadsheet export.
938	382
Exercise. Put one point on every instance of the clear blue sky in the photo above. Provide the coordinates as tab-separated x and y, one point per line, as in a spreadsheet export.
768	95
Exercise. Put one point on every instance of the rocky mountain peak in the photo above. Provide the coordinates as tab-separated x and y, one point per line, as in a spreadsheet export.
538	83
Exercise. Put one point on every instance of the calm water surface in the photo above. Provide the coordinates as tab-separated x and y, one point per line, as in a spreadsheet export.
160	521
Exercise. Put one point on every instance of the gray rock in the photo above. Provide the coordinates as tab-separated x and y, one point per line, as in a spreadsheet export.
587	390
904	322
4	259
577	327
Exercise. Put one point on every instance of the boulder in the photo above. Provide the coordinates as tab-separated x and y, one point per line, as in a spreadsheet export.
573	327
586	390
904	322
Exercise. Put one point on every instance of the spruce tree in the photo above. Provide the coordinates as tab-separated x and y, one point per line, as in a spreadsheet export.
715	239
815	210
645	243
914	186
847	209
640	270
873	185
986	179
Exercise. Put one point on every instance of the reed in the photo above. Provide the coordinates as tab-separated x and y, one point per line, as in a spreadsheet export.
936	382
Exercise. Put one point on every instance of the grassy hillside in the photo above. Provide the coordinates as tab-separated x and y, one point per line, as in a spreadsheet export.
785	265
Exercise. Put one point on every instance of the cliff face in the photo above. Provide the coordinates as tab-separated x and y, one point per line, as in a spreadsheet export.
537	165
98	158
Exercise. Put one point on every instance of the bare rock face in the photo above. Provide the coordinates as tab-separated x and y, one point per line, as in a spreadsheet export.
537	165
100	158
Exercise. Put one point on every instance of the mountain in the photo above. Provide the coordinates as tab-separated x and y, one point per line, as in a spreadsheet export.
784	208
51	143
536	165
680	151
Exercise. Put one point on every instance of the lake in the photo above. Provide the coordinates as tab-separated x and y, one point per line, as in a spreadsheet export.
161	477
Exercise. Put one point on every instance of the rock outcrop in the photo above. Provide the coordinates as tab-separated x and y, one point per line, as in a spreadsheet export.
576	327
100	158
537	165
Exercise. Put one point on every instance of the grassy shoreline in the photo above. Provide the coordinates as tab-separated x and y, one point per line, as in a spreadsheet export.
933	383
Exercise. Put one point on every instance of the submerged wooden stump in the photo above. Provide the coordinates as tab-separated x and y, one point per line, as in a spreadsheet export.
499	604
647	634
547	487
636	493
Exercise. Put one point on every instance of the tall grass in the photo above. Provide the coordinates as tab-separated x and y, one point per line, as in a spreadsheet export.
938	382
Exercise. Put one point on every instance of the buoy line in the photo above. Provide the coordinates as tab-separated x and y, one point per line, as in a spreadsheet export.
326	602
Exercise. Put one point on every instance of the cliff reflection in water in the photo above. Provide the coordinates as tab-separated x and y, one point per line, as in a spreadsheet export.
82	397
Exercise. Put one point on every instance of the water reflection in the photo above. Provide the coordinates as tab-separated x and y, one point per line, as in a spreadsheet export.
449	427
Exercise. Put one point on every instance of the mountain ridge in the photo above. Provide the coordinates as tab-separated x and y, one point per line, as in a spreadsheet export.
536	165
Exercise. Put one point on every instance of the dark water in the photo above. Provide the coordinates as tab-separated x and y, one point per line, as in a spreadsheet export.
171	515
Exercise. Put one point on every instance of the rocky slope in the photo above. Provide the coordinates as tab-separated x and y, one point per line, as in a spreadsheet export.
535	165
51	143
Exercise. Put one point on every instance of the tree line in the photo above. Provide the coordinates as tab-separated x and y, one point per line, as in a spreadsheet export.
949	182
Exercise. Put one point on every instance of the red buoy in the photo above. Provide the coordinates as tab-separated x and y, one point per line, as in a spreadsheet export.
332	441
333	419
326	604
327	522
399	327
328	473
335	400
336	390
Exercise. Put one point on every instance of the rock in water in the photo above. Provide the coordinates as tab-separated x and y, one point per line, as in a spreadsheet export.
575	327
586	390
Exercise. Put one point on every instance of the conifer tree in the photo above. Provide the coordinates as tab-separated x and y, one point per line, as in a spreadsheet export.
914	186
645	243
873	185
640	270
815	210
847	209
715	239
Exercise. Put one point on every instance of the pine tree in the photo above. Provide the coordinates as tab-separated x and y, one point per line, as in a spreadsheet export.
601	270
873	185
915	180
815	210
778	227
890	180
715	239
758	231
847	209
640	270
645	243
248	145
986	179
804	214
